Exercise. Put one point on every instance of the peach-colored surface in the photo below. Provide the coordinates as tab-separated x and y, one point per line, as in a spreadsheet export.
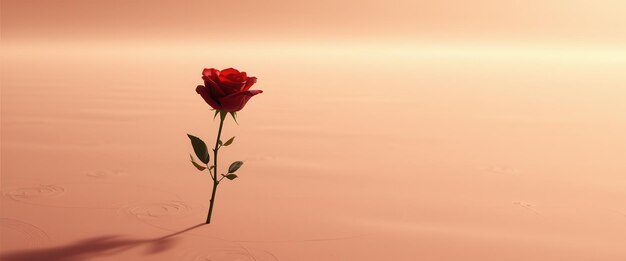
378	149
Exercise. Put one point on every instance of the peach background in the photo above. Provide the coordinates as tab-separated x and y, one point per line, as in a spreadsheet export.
194	21
403	130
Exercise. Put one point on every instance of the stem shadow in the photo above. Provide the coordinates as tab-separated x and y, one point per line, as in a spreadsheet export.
95	246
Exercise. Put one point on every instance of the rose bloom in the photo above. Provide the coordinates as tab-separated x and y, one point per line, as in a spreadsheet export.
226	90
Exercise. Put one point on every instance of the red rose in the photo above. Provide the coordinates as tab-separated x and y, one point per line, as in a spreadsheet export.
226	90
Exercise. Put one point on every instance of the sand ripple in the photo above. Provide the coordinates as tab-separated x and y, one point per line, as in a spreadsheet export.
18	234
102	174
231	253
88	195
163	209
33	193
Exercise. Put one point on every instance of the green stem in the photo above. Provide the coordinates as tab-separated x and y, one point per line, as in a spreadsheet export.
215	181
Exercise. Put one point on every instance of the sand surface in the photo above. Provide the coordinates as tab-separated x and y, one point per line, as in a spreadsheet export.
381	153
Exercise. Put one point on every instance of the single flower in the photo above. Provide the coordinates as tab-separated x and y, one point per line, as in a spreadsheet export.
227	90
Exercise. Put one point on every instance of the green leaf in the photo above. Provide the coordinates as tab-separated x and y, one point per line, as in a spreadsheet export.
212	167
235	166
229	141
216	112
195	164
199	147
230	176
234	114
219	142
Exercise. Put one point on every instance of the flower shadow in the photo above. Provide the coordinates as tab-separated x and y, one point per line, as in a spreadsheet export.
96	246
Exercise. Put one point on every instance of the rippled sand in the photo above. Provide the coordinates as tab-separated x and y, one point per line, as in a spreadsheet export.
351	154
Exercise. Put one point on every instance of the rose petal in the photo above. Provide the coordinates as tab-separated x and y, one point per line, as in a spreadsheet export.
213	73
205	93
251	81
236	101
216	90
231	87
232	75
224	74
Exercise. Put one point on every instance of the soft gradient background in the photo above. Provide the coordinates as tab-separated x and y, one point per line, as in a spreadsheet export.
388	130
